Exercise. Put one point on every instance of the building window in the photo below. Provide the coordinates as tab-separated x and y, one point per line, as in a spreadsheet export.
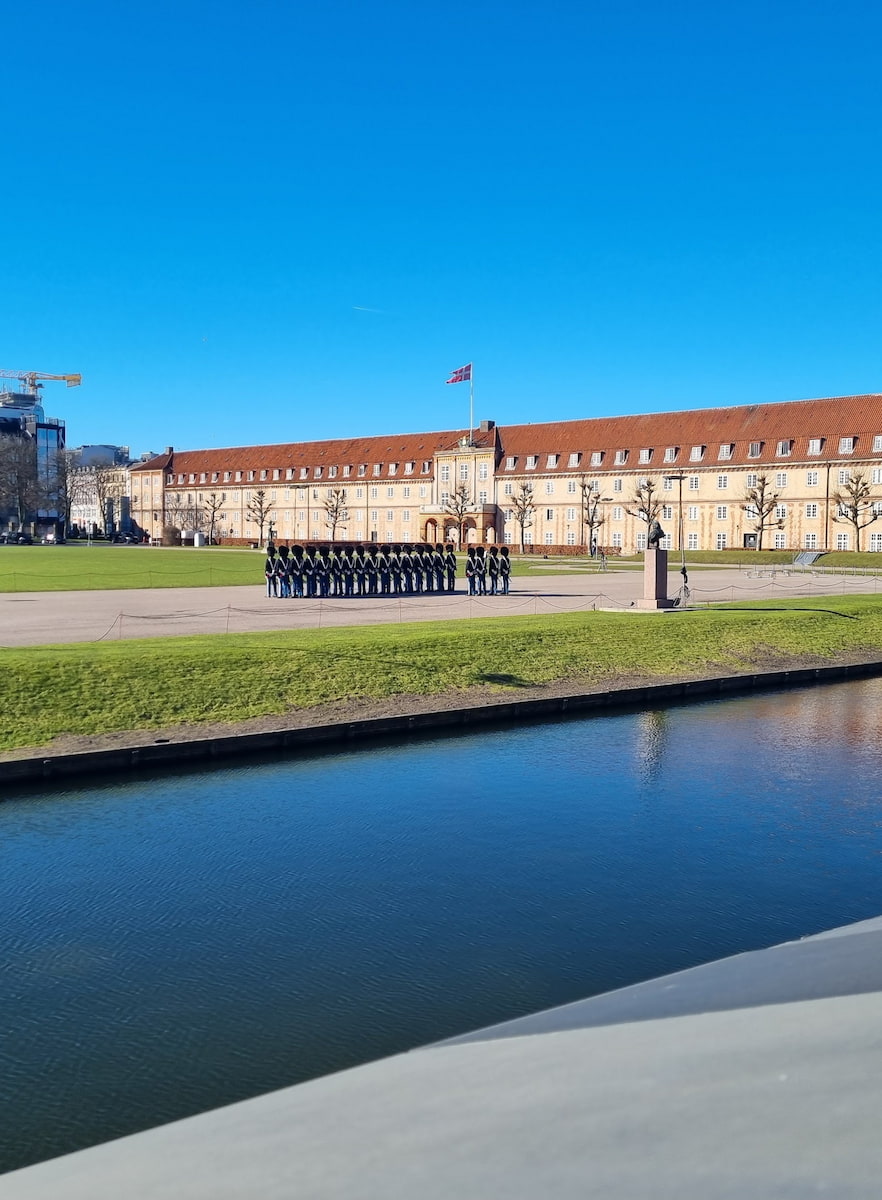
785	446
347	470
722	541
390	492
667	512
692	512
667	484
617	541
445	498
393	468
780	541
696	454
375	492
463	472
876	542
427	466
780	511
844	476
751	480
617	485
408	468
405	493
549	539
691	541
482	497
811	541
390	515
444	474
576	458
482	470
549	514
645	456
726	450
846	445
551	461
596	458
812	478
781	479
815	445
722	512
332	473
510	462
549	487
571	538
694	481
811	511
621	457
671	453
378	467
571	486
755	450
876	475
362	470
532	459
722	482
304	473
507	489
571	514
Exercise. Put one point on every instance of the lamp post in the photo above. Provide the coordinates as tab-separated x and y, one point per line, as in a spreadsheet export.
270	533
679	478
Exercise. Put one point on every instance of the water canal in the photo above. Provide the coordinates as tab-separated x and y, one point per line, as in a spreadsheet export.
172	945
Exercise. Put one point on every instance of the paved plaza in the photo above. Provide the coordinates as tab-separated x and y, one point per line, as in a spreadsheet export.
41	618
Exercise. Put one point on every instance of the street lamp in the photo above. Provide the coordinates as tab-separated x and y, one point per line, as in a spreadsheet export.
679	478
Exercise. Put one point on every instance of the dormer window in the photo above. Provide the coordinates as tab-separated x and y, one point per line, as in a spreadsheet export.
263	473
317	472
377	468
846	445
816	445
347	471
408	468
192	476
645	456
304	472
574	459
877	443
238	477
727	449
696	454
785	447
551	461
671	453
532	460
755	450
427	467
250	476
362	470
228	475
393	468
215	476
510	462
596	458
289	473
621	457
169	480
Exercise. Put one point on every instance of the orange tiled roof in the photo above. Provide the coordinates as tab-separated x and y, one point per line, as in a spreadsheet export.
740	428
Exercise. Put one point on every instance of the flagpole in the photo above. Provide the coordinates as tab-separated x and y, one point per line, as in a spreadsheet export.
471	403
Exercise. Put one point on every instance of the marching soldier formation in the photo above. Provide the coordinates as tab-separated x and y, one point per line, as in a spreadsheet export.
381	570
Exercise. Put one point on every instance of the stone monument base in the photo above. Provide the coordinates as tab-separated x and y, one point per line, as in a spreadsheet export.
655	580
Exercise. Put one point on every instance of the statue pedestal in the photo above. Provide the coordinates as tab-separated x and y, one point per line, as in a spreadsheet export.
655	580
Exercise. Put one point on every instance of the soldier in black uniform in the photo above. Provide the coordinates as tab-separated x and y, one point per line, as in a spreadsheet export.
493	570
269	570
450	567
438	567
504	569
383	569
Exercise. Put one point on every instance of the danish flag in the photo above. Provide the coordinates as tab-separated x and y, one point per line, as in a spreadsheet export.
461	374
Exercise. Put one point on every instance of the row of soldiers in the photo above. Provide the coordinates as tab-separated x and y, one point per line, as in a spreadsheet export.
381	570
356	570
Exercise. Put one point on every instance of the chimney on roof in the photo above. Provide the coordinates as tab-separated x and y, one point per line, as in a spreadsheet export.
486	426
169	449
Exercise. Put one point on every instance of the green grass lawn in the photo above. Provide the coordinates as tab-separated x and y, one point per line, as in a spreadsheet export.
148	684
77	567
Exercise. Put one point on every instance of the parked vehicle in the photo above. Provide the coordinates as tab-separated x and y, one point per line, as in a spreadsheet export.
13	538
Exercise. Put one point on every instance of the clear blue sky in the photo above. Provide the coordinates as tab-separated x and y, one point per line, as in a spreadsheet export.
274	221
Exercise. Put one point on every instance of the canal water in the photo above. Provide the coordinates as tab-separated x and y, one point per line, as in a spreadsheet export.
175	944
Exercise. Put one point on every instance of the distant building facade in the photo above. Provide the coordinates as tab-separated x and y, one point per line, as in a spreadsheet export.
538	482
23	421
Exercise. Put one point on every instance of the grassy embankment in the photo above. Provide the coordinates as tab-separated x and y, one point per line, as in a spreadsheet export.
151	684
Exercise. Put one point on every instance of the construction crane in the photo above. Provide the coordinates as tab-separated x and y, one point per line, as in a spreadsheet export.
29	380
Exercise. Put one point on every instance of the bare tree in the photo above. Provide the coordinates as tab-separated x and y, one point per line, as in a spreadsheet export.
258	509
523	508
457	507
212	508
855	505
645	503
759	506
592	513
109	485
336	512
21	490
68	486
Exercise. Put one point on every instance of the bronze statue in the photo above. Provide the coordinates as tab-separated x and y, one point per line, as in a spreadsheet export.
655	535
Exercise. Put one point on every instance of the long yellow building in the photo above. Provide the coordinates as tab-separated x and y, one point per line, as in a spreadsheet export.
538	483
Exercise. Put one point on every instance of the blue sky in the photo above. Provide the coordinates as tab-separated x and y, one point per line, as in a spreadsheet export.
284	221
